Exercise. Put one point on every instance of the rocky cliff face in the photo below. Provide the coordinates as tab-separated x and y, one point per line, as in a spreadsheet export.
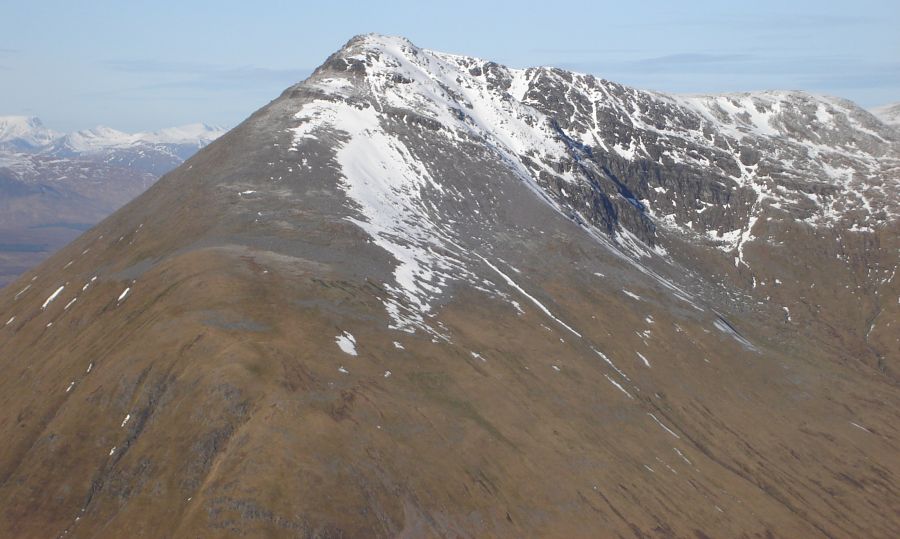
723	184
822	160
420	294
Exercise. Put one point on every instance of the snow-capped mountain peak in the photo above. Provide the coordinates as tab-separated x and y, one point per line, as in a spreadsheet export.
97	138
24	132
835	149
28	134
104	138
196	133
23	140
637	165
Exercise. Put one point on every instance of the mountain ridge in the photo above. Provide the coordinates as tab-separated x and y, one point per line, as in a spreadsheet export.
103	138
26	132
30	130
724	197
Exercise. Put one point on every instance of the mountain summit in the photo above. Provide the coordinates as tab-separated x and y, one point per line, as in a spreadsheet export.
421	294
24	132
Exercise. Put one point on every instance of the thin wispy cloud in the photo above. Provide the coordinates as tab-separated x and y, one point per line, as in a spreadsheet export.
160	66
180	74
201	70
143	66
586	50
245	73
693	58
818	21
711	73
688	63
7	53
863	79
679	63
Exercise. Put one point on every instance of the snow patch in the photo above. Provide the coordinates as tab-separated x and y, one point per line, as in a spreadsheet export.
644	359
618	386
660	423
123	295
534	300
347	343
52	297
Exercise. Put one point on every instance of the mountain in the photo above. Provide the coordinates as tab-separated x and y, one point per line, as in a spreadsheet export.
23	139
155	152
422	294
24	133
55	186
889	114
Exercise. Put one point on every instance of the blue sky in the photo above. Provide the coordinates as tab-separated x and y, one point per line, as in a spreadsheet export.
144	65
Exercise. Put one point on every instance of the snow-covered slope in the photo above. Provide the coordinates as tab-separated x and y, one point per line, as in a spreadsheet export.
822	159
889	114
96	139
640	166
102	138
24	133
196	133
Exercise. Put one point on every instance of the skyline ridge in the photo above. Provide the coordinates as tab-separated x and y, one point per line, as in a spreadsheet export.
139	68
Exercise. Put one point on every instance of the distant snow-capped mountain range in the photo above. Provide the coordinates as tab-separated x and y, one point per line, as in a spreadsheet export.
24	133
155	152
28	133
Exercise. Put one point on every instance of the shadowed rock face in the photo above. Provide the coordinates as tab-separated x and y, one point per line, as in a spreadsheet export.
425	295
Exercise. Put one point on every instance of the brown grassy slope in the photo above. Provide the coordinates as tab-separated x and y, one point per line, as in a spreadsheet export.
241	423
